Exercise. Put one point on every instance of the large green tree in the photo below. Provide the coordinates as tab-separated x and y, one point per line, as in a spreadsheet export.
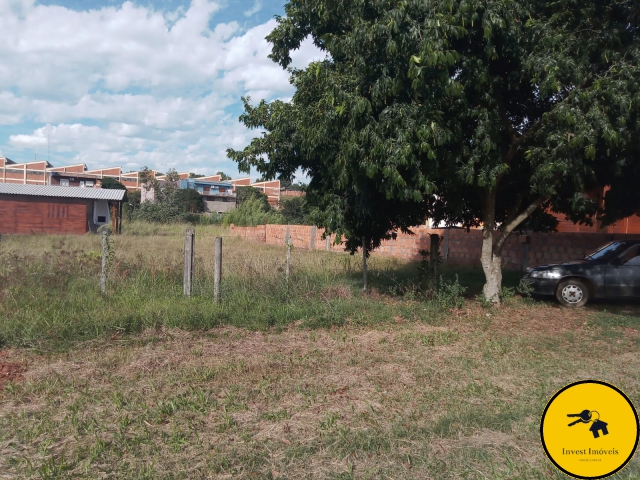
488	113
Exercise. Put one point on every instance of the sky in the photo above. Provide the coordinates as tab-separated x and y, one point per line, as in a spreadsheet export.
133	84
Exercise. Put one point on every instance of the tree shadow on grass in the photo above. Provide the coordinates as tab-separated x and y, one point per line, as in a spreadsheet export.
407	274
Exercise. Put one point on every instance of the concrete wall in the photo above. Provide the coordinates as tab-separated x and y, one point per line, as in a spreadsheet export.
219	206
457	247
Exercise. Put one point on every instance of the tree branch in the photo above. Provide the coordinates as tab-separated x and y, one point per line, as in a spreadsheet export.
514	210
511	226
516	143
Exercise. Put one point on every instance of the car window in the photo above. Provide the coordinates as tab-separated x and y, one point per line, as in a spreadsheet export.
607	252
634	262
631	257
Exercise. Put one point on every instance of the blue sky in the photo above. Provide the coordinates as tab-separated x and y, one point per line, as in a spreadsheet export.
145	83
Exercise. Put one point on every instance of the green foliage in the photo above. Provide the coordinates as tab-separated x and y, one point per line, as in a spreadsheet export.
223	176
252	212
112	184
247	193
295	211
449	294
469	112
208	219
427	271
171	203
132	204
289	185
191	200
167	211
484	301
525	288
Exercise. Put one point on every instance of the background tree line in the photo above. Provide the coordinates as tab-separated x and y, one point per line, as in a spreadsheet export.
173	204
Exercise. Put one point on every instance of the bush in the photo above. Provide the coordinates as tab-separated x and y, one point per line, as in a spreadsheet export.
190	200
449	295
161	212
245	194
132	203
295	211
251	213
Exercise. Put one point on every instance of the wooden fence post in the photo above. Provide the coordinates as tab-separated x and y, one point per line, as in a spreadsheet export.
105	254
189	253
217	269
287	272
312	240
364	263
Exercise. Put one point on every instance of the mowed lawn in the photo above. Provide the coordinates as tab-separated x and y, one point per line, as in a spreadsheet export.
330	383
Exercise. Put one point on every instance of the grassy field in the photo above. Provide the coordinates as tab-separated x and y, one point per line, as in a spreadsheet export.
309	380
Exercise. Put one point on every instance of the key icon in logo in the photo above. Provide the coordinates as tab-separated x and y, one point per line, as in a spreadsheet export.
584	417
589	416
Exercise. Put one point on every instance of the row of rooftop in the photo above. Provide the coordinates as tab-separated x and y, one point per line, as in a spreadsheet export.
78	175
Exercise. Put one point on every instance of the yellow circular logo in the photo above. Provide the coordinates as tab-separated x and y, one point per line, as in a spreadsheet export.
589	429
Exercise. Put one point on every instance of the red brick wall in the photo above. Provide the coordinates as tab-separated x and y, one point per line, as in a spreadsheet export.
20	214
252	233
457	247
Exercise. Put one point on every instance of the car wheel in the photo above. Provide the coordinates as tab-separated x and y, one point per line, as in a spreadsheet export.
572	293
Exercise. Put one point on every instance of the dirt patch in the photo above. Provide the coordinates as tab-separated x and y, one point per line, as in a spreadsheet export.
10	371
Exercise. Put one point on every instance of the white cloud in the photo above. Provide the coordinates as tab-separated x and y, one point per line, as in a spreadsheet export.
131	85
257	6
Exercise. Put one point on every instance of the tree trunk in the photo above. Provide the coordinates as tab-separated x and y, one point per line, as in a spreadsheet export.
490	258
492	266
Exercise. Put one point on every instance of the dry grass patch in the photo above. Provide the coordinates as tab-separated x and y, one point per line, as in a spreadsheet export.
460	399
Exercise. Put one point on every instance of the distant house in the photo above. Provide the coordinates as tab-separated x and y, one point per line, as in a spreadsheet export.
218	196
26	209
73	176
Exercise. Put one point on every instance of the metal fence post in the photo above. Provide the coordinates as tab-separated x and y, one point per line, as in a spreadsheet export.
189	253
217	269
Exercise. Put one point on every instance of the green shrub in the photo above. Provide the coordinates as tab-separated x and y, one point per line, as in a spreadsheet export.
295	211
251	213
190	200
161	212
244	194
449	295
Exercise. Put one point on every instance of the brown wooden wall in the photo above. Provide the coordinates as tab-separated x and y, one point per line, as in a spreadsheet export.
26	214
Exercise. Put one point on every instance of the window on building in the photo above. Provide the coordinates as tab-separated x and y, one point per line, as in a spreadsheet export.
64	182
88	184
